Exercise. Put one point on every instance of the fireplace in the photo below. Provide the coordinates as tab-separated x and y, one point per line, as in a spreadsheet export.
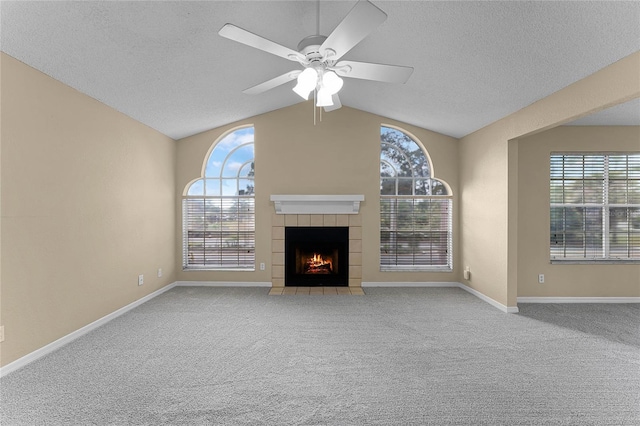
316	256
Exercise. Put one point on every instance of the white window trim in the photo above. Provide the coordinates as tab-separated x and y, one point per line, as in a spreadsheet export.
426	268
607	258
185	249
413	178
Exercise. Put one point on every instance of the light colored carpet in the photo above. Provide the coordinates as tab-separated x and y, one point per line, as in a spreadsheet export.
410	356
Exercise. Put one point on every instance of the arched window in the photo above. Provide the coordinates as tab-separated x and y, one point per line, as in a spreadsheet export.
218	210
415	208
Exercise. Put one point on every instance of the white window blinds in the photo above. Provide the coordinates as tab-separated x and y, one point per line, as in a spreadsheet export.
219	232
415	232
595	206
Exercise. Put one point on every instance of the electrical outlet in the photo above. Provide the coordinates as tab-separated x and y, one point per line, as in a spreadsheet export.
1	333
159	272
262	266
541	278
140	279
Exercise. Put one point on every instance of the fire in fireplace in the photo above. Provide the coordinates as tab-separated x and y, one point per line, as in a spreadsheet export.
316	256
317	264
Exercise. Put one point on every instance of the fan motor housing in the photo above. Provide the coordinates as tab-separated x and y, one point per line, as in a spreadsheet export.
310	47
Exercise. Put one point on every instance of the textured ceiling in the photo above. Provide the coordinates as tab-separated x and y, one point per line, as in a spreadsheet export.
163	63
626	114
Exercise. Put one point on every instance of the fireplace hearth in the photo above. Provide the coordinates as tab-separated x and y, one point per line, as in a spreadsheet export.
316	256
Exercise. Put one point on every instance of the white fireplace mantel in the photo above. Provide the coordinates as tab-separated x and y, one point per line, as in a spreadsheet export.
317	204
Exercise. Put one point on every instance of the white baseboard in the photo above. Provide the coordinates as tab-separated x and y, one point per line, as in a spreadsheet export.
492	302
409	284
527	299
53	346
222	284
503	308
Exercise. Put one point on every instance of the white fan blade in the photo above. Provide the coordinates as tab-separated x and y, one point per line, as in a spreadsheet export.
240	35
270	84
359	23
336	104
375	72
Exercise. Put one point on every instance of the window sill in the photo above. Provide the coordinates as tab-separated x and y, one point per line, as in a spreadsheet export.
594	262
415	269
208	268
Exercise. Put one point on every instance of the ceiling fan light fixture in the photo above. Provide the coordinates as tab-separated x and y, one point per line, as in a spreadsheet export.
324	98
307	81
331	82
320	56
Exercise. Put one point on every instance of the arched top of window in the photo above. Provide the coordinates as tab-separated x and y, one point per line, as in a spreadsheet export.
405	168
229	168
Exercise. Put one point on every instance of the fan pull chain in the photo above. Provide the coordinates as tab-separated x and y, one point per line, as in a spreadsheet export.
315	91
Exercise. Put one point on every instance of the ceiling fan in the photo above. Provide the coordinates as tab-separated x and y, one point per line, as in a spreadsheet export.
320	57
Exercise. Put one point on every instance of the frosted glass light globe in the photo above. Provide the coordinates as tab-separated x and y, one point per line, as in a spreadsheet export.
307	81
332	82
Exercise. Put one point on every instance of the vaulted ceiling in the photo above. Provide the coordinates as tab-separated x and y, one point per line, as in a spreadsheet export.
164	64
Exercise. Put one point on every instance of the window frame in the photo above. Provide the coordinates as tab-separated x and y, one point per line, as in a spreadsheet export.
224	201
605	207
424	176
448	267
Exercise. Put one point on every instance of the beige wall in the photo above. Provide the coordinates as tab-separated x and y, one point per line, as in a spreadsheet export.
489	178
340	155
88	203
533	221
90	197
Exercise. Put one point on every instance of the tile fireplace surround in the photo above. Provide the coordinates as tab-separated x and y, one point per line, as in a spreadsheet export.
280	221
